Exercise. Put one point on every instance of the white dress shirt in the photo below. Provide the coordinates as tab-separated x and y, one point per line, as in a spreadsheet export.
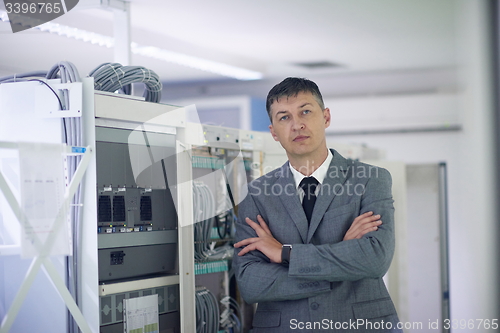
319	174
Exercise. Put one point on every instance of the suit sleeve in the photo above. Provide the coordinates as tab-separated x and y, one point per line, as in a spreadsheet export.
260	280
368	257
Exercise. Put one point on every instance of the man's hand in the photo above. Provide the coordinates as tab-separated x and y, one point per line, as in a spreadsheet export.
362	225
265	242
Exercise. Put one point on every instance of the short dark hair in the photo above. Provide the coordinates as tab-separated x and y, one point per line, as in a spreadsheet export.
291	87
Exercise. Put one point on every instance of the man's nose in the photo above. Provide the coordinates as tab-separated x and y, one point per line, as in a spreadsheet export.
297	124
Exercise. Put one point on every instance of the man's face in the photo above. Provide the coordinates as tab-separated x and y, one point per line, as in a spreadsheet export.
299	124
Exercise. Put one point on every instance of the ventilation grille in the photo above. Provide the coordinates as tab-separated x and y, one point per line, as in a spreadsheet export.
104	209
146	209
119	208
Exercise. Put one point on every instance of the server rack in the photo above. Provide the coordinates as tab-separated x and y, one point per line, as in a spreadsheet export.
137	229
223	161
136	220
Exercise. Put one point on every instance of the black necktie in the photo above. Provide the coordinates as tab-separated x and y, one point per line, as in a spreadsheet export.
309	184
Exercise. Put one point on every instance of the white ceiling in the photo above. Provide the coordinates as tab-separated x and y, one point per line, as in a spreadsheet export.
269	36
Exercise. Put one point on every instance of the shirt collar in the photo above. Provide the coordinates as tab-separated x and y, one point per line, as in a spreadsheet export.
319	173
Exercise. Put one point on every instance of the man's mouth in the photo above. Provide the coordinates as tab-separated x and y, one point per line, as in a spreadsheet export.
300	138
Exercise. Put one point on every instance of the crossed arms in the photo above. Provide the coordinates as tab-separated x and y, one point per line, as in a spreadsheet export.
365	252
271	248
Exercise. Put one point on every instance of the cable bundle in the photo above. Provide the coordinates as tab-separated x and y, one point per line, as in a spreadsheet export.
67	71
204	211
72	130
112	77
22	77
225	221
230	318
207	311
72	127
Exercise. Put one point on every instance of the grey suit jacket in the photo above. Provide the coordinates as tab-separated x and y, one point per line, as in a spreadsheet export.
330	285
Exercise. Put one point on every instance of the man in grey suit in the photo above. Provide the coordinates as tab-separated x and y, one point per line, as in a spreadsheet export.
316	236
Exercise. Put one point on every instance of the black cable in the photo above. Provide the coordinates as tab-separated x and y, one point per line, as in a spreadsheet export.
65	130
45	83
217	217
217	221
226	224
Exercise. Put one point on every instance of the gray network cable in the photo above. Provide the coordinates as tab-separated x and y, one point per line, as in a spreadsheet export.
72	130
113	77
231	316
22	77
207	311
204	208
72	127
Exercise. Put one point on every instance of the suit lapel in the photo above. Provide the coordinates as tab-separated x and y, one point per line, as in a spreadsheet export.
332	184
291	203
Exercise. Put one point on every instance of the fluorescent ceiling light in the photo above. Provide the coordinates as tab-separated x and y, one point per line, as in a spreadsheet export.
148	51
195	62
78	34
3	16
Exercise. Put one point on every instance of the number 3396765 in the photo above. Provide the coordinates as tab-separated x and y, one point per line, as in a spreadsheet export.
33	8
471	324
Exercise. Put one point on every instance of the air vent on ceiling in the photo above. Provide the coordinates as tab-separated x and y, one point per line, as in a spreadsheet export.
318	64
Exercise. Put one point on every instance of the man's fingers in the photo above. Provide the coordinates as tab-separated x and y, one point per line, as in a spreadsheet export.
359	230
255	226
360	220
363	223
369	218
362	216
263	224
265	242
246	242
260	228
373	226
246	249
252	223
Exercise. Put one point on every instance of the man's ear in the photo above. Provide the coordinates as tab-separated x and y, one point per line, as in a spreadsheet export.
327	116
271	129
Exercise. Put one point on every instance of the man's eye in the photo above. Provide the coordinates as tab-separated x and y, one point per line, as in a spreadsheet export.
284	118
306	111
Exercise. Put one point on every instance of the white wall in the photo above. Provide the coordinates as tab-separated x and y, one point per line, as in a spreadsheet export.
475	258
420	148
232	111
469	157
426	111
